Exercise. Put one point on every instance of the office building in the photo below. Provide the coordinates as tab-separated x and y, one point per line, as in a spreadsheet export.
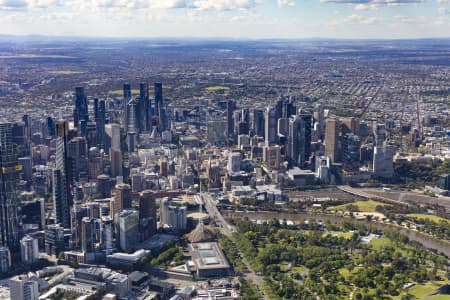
147	214
296	141
351	145
270	127
234	162
54	239
88	234
100	122
77	157
29	250
307	119
258	122
5	259
115	157
272	156
323	169
332	139
173	216
107	230
81	107
380	134
158	99
122	198
62	177
23	288
383	165
128	223
9	179
112	137
144	109
231	107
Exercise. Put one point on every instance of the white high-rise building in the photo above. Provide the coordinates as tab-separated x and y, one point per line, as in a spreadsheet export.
173	216
113	133
234	162
128	229
323	169
22	288
29	249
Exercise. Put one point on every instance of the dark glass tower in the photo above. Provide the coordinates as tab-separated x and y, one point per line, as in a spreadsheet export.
308	123
100	120
62	177
9	178
81	106
296	141
158	98
144	108
258	122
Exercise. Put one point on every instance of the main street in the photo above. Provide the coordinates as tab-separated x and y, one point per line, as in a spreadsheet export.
227	230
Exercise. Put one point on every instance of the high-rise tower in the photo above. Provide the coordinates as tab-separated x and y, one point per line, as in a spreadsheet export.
81	106
62	177
332	139
158	98
144	108
270	128
296	141
9	179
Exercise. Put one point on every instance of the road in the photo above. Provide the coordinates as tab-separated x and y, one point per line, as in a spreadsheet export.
227	230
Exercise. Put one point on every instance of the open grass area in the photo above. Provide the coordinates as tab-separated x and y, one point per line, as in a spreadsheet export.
380	243
362	206
428	217
217	88
65	72
120	92
438	297
422	290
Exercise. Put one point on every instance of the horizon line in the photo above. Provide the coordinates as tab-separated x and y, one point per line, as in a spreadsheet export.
219	38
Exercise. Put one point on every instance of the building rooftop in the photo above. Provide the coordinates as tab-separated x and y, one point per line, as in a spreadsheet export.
132	257
208	256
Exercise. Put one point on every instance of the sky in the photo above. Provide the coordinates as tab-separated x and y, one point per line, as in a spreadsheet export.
254	19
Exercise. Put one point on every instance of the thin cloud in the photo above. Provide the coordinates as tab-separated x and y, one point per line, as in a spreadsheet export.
289	3
224	5
378	2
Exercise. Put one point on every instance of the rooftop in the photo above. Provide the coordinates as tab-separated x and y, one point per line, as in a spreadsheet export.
208	256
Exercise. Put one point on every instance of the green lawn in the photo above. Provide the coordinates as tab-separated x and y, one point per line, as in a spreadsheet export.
438	297
422	290
428	217
379	243
363	206
217	88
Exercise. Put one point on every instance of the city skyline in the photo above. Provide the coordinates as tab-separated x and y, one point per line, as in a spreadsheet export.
228	18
